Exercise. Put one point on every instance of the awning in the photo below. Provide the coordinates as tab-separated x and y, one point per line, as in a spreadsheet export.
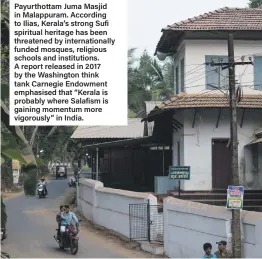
120	143
256	141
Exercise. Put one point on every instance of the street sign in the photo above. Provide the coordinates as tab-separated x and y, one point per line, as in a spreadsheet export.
179	172
235	197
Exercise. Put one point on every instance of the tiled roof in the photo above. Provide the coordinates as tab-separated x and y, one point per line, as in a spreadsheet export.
134	129
223	19
210	100
206	100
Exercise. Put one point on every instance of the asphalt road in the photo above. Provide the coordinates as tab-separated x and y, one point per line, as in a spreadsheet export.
31	226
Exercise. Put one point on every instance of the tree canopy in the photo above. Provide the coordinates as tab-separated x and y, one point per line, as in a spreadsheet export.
255	3
148	80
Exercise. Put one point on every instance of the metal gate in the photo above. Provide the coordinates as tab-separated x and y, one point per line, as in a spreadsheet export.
146	222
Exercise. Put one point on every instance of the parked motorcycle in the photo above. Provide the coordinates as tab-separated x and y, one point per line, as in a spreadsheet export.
41	191
68	239
72	182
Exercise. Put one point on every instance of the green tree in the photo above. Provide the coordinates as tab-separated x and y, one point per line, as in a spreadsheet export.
148	80
255	3
23	144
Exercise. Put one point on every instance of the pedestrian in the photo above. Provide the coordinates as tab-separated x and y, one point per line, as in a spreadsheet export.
222	250
208	249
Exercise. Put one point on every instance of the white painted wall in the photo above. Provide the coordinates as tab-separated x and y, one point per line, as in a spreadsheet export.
177	63
188	225
194	52
196	149
109	207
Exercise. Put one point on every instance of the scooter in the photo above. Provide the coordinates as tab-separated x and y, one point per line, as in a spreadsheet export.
41	191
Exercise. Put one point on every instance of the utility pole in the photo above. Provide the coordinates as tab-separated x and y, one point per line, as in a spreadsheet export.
236	217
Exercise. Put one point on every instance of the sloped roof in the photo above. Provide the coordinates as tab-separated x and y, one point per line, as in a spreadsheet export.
135	129
210	100
241	19
213	99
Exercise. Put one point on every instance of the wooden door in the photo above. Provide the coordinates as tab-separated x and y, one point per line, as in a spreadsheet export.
221	164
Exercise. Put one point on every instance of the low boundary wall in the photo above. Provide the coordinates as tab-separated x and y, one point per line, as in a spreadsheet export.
109	207
188	225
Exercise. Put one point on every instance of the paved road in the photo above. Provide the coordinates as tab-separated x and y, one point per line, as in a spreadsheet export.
31	226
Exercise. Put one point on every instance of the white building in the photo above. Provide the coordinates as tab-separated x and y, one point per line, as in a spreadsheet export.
201	97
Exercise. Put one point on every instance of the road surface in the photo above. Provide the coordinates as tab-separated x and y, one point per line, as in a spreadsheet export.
31	226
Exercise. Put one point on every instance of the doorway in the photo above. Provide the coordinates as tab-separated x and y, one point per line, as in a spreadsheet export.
221	164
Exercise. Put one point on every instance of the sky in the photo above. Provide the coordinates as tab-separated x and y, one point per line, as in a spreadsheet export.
146	18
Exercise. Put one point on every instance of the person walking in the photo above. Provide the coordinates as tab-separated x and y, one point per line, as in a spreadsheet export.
222	250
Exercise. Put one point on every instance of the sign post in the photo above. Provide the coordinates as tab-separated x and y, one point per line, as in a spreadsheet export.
179	173
235	197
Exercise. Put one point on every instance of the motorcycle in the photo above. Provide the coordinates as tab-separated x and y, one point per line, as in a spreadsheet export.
68	239
72	182
3	234
41	191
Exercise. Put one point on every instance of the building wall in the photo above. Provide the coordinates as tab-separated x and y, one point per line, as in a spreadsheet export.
177	64
194	52
109	208
188	225
196	150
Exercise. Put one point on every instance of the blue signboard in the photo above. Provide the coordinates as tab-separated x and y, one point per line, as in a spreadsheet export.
179	172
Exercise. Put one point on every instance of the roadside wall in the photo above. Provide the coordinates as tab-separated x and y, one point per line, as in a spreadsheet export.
188	225
109	207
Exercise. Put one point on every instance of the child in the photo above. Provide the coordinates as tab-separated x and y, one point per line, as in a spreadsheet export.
208	249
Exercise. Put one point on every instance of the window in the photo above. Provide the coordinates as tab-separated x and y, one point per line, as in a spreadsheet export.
258	73
177	80
215	76
182	80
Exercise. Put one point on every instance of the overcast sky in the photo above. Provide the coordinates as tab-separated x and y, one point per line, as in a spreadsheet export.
148	17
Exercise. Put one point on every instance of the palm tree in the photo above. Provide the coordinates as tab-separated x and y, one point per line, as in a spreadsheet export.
150	80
